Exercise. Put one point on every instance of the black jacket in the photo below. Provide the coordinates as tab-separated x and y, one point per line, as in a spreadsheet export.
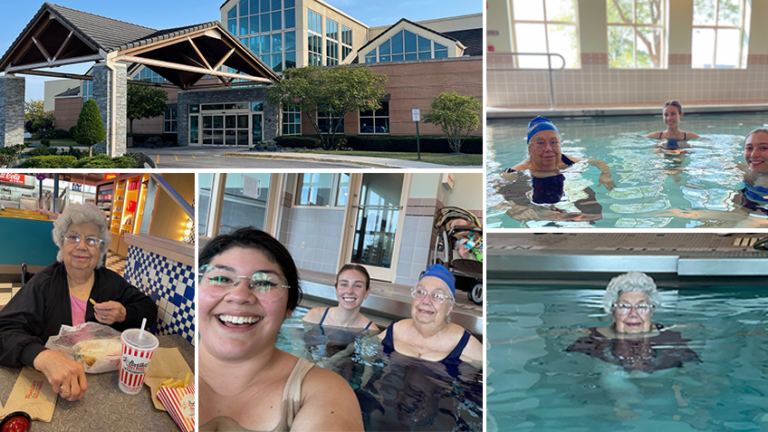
42	305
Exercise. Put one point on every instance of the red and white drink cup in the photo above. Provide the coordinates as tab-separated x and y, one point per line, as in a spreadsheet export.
138	349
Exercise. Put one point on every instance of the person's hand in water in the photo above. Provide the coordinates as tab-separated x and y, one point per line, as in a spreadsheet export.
606	180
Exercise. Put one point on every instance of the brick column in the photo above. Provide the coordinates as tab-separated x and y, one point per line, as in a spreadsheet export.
11	110
102	94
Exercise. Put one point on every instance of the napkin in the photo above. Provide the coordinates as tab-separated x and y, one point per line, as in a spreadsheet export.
166	363
32	394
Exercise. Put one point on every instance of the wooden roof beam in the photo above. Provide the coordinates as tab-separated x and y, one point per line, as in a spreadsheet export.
199	53
187	68
57	63
42	49
63	45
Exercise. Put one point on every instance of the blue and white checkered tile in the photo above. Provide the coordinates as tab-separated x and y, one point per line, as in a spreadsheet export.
171	285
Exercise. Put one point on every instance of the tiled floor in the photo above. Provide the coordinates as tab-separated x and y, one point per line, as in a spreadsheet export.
116	263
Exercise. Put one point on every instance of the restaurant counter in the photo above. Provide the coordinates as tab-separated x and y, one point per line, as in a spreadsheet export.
105	407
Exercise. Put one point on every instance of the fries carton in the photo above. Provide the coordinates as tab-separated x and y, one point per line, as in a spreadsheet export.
180	403
166	363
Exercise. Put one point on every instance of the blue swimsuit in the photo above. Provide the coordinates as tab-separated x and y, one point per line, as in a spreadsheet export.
326	313
453	359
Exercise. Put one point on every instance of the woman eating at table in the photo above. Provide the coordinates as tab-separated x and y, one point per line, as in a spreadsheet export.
74	290
353	285
248	285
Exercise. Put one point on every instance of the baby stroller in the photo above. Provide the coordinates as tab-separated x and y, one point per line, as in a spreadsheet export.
459	247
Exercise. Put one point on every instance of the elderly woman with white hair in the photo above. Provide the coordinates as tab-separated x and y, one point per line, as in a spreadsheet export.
633	341
73	290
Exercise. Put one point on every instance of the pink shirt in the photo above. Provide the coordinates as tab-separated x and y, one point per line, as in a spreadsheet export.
78	310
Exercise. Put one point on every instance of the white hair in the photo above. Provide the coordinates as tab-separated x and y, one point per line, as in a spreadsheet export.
80	214
629	282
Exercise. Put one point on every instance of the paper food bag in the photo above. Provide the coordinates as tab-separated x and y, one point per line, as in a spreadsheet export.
166	363
180	403
32	394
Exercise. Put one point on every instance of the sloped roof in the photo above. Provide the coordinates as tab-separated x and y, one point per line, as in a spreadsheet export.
166	34
105	33
411	23
472	39
75	91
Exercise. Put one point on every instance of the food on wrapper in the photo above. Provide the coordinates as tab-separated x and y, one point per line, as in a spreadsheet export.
105	350
180	403
18	421
69	337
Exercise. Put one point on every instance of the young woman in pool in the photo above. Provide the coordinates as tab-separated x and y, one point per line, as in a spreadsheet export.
543	168
248	285
673	113
353	285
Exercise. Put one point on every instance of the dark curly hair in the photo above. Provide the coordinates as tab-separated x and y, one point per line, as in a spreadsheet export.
252	238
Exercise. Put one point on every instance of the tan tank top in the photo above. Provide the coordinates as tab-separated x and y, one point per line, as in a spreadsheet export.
290	407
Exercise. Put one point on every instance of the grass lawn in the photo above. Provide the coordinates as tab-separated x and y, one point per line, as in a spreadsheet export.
435	158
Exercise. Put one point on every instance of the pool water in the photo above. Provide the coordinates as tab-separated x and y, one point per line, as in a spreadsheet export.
535	385
399	392
692	187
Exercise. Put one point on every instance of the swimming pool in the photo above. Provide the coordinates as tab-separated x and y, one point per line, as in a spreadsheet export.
403	393
535	385
672	189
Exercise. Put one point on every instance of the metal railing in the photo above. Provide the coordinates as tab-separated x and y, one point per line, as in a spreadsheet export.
499	66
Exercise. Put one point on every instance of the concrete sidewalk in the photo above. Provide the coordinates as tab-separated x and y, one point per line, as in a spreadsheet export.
228	157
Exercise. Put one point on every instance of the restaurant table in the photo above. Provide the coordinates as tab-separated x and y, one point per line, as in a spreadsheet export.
105	408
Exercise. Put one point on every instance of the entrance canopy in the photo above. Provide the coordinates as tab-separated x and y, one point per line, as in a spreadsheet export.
59	36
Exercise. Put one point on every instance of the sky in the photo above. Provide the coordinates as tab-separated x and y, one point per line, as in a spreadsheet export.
162	14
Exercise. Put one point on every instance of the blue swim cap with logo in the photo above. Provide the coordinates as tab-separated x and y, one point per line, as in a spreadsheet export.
540	124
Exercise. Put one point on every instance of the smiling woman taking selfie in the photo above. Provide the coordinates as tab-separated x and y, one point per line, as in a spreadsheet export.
249	285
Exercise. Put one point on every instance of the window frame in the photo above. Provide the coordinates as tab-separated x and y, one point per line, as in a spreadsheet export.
664	55
373	116
513	21
168	123
334	198
742	33
285	111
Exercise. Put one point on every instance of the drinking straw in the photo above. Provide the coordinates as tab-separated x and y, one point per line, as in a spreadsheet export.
143	323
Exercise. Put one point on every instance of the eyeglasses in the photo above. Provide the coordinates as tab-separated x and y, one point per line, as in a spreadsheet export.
267	287
73	239
437	297
625	308
541	144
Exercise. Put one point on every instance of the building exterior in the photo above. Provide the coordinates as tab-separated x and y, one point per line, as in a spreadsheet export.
420	59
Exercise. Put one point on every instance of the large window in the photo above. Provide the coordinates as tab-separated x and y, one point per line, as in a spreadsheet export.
636	33
170	122
314	38
545	26
346	42
719	40
291	121
331	42
324	121
87	90
322	189
375	122
261	26
146	74
405	45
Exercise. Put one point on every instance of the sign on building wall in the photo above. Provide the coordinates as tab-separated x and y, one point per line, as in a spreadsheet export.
12	178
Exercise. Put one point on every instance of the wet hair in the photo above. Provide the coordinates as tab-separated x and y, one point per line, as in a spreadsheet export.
763	130
357	268
630	282
674	103
81	214
252	238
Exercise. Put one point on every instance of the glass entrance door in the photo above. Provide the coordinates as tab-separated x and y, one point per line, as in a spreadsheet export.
379	223
213	129
229	126
257	128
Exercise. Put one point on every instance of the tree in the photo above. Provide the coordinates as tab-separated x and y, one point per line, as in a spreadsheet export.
90	126
145	102
36	119
335	91
457	115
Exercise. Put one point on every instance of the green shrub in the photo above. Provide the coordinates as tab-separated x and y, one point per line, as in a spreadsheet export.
142	138
10	154
90	127
74	152
50	162
428	144
57	134
46	142
309	142
104	161
43	151
72	131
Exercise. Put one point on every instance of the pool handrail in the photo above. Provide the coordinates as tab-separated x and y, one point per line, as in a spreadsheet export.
490	68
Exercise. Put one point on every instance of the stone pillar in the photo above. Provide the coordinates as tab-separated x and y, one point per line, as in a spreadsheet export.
102	94
11	110
182	120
